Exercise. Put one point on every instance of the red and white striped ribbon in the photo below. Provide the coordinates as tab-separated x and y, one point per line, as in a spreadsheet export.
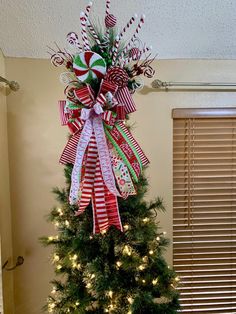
69	153
63	114
85	95
142	156
124	97
89	175
99	203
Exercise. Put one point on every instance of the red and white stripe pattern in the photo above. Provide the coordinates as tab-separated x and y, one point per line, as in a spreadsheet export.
105	206
108	3
99	203
124	97
115	50
94	34
120	111
77	123
110	21
89	175
127	26
88	9
63	114
130	43
142	156
85	95
83	20
69	153
107	87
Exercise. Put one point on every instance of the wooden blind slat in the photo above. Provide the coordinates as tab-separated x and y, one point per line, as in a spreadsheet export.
204	209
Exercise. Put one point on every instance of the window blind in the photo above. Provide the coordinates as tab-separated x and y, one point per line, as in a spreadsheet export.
204	209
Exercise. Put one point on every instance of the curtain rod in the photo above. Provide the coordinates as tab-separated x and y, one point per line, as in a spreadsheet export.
12	84
160	84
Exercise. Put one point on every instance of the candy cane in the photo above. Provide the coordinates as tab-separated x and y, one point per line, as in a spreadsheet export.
140	24
115	49
73	40
94	34
87	10
83	31
127	26
108	2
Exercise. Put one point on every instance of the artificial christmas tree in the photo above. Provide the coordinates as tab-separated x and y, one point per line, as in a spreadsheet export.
109	247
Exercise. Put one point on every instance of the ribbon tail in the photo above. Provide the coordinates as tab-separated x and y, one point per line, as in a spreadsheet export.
99	203
88	179
112	210
80	151
104	156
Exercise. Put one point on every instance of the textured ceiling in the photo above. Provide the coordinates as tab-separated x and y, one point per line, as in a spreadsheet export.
175	28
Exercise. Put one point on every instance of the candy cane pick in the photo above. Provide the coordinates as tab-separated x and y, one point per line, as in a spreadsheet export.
108	2
115	49
94	34
140	24
87	10
83	31
127	26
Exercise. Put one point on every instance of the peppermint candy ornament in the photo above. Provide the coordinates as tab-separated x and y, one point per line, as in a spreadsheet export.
117	76
88	66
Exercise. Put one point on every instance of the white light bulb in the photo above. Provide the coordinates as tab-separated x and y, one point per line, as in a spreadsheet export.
155	281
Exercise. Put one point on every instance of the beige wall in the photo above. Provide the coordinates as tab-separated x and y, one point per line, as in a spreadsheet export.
36	140
5	209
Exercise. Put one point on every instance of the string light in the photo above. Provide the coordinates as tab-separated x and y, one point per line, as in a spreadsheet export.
67	223
59	267
51	238
127	250
126	227
51	307
77	303
89	285
90	237
145	259
103	232
93	276
177	279
143	281
60	212
53	290
151	252
118	263
129	312
106	310
146	219
56	223
141	267
56	257
154	282
110	293
74	257
158	239
130	300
